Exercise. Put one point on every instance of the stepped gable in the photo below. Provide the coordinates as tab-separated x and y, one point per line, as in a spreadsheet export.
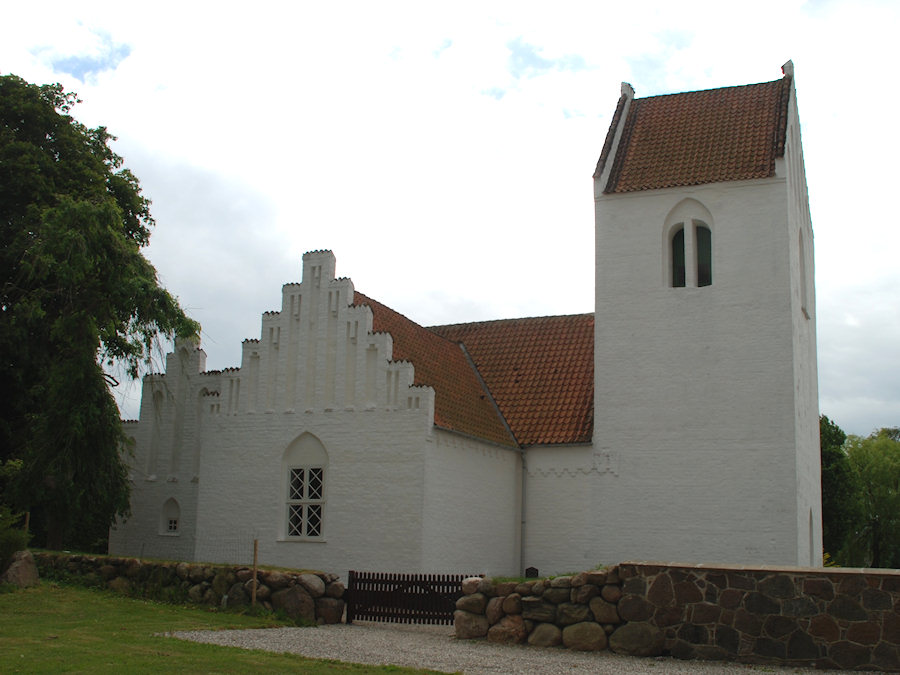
728	134
540	372
461	402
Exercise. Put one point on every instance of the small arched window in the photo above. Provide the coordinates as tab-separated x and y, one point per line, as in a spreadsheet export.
688	260
170	522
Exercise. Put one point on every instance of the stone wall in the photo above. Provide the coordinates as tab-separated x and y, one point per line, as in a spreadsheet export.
313	597
831	618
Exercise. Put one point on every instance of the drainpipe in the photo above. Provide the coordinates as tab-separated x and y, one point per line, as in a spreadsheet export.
522	514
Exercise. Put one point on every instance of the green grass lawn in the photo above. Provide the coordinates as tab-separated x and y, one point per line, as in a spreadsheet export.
66	629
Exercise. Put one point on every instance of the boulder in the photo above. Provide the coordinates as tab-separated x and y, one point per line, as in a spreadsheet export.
329	610
512	604
586	636
536	609
195	593
469	625
603	611
222	582
22	572
611	593
335	589
579	579
634	608
525	588
637	639
470	585
296	603
545	635
494	610
275	580
506	587
237	595
557	595
313	584
487	587
569	613
509	630
595	577
474	603
183	570
583	594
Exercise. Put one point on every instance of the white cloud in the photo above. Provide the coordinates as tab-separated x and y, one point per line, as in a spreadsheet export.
437	164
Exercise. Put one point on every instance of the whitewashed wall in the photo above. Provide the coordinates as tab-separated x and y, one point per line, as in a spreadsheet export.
373	489
563	517
472	507
695	387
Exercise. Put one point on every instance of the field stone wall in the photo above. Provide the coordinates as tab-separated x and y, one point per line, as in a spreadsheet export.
826	618
315	597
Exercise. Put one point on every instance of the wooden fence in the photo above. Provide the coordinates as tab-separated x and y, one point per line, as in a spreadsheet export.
403	598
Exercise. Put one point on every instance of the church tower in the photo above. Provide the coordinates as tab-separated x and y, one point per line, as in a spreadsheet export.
705	392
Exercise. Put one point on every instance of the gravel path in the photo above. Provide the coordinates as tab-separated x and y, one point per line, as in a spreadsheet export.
436	648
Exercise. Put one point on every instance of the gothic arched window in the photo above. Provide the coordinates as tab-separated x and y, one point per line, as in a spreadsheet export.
170	521
304	464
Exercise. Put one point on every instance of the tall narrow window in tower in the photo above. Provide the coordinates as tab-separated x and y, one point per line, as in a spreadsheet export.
703	237
678	276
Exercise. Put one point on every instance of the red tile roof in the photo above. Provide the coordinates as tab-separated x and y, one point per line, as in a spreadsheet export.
511	382
728	134
461	402
540	372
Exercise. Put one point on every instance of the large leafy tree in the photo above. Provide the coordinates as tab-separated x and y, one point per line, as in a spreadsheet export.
875	461
75	293
838	488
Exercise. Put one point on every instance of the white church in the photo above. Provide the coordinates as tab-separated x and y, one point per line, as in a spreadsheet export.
678	422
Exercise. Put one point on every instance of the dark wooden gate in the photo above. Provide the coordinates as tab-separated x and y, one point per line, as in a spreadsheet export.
403	598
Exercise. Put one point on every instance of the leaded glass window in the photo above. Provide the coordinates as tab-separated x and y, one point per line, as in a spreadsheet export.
305	501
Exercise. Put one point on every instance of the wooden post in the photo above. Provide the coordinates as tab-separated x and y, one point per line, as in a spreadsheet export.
255	561
351	595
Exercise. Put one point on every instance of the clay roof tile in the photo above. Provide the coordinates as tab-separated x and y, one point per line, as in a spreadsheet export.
727	134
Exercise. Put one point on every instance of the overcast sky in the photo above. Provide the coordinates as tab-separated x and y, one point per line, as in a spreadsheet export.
445	154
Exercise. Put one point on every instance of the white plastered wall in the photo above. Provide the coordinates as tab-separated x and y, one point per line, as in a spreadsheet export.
695	387
563	520
373	489
472	499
